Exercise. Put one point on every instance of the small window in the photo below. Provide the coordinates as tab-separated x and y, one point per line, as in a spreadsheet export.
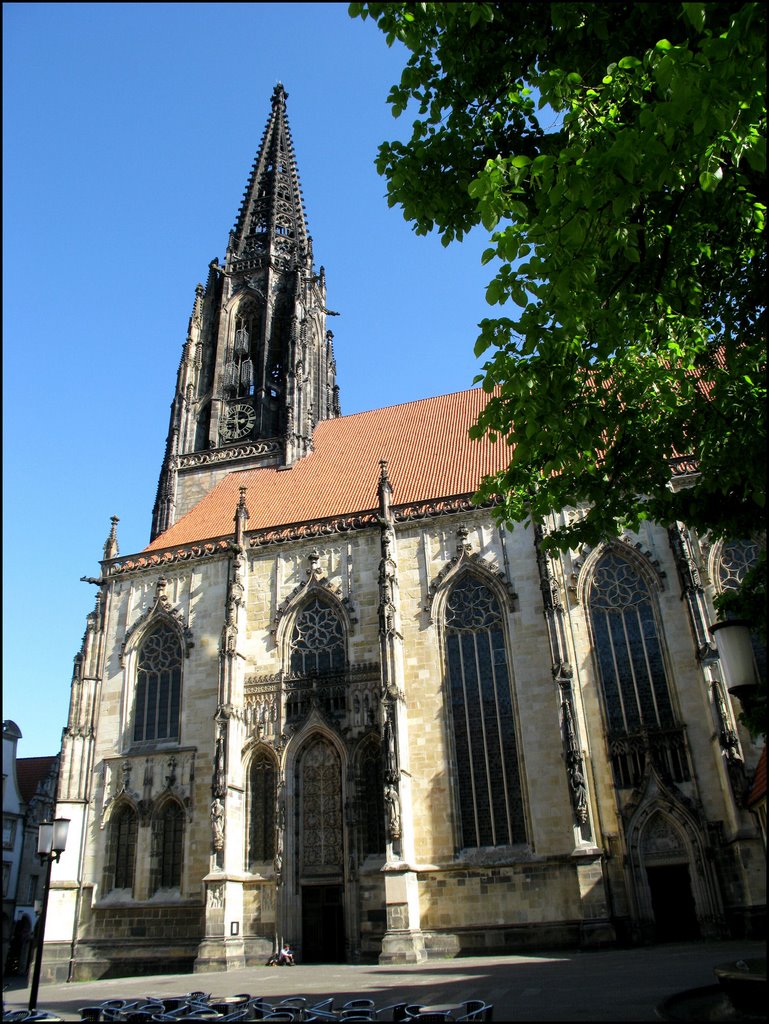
9	833
261	830
168	843
123	834
372	808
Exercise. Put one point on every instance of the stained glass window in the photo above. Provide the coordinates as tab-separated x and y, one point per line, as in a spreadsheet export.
317	642
737	556
123	832
372	800
321	791
261	831
169	839
158	686
628	647
491	808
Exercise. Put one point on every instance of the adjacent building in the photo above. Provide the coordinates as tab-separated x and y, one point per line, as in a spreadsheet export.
29	794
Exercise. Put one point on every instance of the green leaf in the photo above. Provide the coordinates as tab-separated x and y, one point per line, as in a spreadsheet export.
695	14
709	180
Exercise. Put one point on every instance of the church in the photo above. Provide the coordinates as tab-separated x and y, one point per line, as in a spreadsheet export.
333	702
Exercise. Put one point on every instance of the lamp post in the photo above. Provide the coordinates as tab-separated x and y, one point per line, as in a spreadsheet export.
51	843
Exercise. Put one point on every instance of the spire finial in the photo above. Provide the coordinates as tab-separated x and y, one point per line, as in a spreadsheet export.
241	516
110	545
384	490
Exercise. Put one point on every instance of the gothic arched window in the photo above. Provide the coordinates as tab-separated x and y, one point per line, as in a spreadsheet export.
167	847
632	671
736	558
238	374
122	851
158	685
261	814
317	641
321	806
371	799
490	803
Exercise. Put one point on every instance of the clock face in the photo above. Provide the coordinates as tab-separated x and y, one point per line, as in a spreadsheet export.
238	421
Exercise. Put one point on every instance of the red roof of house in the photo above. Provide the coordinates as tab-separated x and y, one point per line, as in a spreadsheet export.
30	771
425	444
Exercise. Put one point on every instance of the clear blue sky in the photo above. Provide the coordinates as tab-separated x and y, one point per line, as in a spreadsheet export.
129	132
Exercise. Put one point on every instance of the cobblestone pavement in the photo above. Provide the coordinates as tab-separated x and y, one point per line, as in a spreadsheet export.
612	985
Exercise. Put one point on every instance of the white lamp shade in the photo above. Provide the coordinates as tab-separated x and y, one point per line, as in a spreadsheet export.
45	837
60	829
735	651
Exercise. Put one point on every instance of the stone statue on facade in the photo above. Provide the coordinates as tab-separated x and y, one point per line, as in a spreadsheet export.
217	823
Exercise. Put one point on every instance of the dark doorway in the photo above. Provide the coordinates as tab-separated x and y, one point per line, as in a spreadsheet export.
675	915
322	924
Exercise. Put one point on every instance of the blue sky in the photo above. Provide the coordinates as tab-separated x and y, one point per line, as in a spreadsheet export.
129	132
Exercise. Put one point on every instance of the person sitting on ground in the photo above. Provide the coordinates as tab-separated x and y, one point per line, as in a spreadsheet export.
286	957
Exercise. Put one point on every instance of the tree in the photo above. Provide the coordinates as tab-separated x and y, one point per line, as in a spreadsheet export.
616	154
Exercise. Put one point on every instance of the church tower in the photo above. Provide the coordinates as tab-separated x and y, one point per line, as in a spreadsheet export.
257	370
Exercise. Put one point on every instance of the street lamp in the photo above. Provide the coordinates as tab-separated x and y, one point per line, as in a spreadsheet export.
736	653
51	843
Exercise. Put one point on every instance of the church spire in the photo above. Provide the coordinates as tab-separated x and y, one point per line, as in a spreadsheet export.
271	218
257	371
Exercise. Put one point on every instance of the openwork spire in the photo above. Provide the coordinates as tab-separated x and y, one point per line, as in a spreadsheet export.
271	219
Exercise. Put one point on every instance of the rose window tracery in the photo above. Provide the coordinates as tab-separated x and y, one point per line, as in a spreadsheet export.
317	641
737	557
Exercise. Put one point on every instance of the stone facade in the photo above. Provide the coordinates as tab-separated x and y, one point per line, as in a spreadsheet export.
581	877
393	735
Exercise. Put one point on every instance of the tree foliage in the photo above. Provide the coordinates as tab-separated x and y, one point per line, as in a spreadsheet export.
616	155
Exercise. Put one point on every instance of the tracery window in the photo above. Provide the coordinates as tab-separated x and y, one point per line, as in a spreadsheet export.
640	715
168	846
737	557
490	803
262	792
158	686
321	798
123	833
318	640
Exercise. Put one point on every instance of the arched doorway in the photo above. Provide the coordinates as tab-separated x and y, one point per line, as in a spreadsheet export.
676	894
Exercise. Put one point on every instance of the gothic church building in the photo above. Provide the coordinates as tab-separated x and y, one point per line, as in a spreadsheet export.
333	702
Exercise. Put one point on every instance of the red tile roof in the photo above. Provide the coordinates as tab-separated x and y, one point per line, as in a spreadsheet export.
30	771
425	443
